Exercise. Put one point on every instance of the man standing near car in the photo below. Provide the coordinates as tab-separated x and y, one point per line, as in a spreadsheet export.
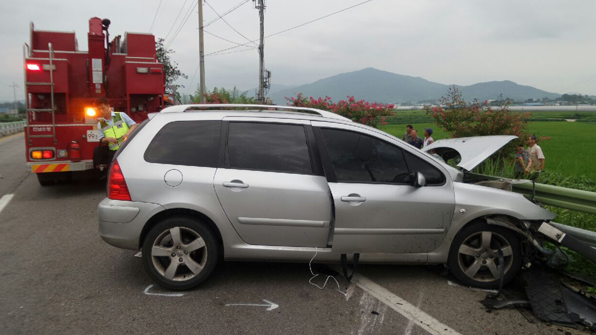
536	160
408	135
114	128
416	141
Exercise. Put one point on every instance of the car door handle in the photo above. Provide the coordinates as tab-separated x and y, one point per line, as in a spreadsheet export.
353	198
235	184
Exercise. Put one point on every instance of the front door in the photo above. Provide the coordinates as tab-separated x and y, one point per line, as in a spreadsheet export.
377	210
270	190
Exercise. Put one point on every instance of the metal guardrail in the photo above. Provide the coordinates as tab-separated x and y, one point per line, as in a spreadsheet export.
577	200
8	128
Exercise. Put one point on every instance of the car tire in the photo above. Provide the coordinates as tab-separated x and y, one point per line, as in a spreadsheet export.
474	260
179	253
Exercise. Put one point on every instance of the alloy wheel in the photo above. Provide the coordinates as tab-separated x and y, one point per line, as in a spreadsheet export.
478	256
179	254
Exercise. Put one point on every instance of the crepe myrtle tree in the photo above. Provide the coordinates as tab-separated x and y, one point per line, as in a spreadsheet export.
462	119
370	114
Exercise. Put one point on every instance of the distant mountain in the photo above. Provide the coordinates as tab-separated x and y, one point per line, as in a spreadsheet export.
385	87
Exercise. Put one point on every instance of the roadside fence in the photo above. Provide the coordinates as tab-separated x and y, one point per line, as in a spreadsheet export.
12	127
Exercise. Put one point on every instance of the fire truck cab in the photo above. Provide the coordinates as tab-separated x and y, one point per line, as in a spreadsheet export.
62	84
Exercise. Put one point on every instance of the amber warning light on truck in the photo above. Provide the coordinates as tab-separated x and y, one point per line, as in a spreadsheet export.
90	111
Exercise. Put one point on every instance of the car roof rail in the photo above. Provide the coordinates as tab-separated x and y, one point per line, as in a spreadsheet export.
184	108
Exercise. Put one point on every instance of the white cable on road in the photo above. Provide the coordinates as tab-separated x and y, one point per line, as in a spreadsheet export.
409	311
315	275
5	200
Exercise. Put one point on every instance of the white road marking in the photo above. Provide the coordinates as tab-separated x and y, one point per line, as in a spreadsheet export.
371	317
5	200
409	311
269	304
410	326
161	294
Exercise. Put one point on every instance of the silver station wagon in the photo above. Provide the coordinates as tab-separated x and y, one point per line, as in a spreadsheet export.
196	184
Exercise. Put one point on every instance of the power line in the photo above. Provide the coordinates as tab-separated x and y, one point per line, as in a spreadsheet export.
233	52
292	28
226	22
219	54
173	24
226	13
182	23
221	38
155	17
320	18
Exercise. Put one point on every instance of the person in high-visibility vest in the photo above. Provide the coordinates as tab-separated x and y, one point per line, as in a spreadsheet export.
113	127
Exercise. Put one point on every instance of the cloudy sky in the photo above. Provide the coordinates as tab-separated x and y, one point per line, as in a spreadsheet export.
548	44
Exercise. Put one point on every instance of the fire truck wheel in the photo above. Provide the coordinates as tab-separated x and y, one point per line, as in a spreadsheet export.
46	179
180	252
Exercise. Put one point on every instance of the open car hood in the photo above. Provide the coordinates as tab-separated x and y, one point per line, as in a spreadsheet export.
472	150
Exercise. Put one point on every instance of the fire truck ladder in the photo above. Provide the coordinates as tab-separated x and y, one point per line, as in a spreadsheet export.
44	110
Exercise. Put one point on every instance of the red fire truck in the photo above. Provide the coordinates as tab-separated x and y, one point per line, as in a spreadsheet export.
62	84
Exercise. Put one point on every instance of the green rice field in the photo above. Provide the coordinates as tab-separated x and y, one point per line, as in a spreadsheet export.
571	149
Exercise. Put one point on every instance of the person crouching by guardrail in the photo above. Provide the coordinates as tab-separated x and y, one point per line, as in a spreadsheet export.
536	159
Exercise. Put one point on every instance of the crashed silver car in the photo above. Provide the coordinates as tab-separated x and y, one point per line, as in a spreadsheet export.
194	186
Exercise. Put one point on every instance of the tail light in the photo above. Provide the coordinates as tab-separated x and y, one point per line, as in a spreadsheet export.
37	154
48	154
117	188
42	154
33	67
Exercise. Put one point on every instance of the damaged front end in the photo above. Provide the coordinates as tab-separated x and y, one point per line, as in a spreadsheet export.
554	295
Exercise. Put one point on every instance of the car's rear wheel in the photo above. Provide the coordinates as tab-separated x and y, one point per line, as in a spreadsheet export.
474	255
179	253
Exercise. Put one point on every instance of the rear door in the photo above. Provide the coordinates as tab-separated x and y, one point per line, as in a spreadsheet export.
377	210
271	189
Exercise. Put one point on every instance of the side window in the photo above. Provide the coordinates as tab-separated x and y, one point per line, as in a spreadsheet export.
361	158
432	174
268	147
194	143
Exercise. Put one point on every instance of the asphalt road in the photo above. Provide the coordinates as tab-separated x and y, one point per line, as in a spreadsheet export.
58	277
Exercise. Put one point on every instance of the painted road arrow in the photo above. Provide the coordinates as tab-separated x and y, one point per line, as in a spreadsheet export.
269	304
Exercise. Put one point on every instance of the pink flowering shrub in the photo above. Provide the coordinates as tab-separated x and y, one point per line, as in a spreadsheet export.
463	119
370	114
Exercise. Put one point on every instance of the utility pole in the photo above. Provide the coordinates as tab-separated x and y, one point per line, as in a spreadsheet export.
14	92
202	53
261	95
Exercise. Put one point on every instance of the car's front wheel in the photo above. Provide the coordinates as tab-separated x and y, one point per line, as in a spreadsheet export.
474	255
179	253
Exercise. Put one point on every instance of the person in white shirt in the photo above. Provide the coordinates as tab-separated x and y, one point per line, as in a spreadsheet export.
536	160
428	139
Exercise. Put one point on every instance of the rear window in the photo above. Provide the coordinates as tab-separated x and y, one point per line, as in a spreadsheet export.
194	143
268	147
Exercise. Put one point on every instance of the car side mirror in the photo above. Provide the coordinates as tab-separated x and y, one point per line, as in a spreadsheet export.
418	179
